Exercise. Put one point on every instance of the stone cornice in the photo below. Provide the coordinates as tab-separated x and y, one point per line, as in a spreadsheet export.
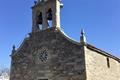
91	47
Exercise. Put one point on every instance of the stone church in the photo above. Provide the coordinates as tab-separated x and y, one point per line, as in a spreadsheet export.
49	54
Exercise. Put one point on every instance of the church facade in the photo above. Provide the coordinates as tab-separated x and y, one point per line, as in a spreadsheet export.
49	54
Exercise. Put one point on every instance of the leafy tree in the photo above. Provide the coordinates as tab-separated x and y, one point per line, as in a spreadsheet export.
4	74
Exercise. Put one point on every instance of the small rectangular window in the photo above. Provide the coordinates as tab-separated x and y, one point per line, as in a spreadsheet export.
108	63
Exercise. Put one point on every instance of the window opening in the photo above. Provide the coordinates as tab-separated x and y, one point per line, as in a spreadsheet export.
108	63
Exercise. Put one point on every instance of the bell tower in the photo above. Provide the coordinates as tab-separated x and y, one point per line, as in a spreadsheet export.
45	14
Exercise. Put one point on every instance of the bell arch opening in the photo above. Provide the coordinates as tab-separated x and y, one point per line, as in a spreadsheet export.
49	17
40	21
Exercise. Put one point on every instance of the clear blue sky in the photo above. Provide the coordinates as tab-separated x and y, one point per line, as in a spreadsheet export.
99	18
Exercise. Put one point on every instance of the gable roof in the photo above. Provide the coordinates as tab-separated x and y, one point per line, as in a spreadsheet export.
91	47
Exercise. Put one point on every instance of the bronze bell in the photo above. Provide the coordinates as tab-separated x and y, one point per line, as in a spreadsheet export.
49	14
39	19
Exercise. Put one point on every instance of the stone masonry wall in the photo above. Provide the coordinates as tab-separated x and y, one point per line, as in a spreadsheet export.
97	68
65	60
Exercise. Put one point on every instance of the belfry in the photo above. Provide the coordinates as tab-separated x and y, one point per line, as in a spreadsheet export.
49	54
45	14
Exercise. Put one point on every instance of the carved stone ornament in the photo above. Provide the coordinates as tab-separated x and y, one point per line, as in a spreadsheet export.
41	55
